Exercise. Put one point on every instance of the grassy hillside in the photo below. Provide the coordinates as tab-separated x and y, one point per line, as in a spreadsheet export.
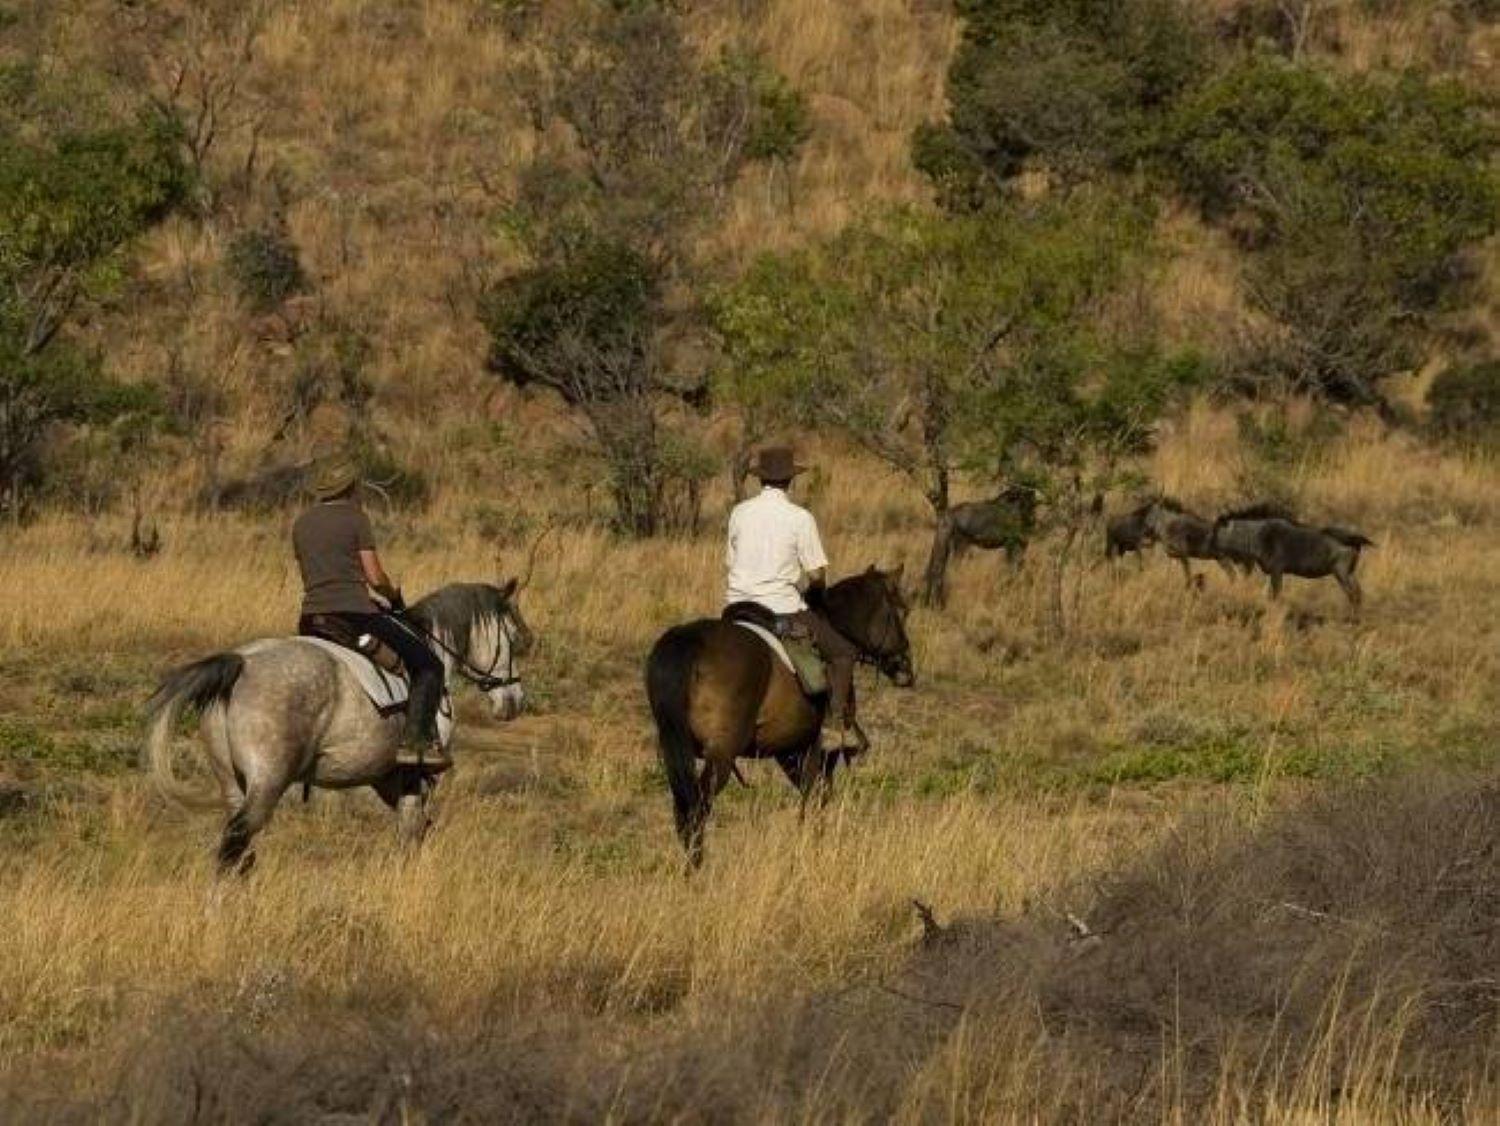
386	137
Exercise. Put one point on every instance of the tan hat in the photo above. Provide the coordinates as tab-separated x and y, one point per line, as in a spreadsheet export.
335	477
776	463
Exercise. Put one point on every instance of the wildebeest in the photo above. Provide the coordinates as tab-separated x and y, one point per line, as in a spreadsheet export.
1128	532
1184	535
1006	521
1265	536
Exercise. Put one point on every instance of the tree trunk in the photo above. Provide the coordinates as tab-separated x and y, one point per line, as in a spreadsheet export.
1058	611
935	581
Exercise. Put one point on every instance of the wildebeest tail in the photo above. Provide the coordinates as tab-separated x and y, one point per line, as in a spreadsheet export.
194	687
669	681
1349	538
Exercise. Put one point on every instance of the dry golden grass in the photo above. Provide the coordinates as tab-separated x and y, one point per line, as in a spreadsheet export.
552	890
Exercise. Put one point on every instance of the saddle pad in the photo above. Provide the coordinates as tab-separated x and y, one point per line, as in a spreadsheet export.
386	692
772	640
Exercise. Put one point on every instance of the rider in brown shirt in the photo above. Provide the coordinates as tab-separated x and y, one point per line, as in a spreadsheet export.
335	548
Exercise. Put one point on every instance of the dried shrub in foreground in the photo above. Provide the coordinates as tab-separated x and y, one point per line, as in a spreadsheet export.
1339	957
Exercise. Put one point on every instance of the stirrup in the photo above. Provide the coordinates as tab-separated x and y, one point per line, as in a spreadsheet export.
433	758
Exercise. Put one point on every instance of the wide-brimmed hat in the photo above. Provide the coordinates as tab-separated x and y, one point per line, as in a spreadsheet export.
334	477
776	463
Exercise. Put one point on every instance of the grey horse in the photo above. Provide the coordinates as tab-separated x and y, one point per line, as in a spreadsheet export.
282	711
1184	535
1269	538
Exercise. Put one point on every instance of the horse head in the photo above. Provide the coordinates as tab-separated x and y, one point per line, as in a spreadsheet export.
870	610
479	630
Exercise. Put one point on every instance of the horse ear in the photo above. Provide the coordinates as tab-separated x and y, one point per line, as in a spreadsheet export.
896	572
872	570
509	589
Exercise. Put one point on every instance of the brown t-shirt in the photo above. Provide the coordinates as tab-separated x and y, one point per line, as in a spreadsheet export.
328	538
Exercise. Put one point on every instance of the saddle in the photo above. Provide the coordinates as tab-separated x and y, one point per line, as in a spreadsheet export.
788	640
332	629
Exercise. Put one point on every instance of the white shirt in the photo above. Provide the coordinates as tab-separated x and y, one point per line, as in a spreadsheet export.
773	546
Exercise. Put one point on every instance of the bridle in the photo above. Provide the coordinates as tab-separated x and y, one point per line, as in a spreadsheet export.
882	656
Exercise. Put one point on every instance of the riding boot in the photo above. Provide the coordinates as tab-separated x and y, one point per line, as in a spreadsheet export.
420	745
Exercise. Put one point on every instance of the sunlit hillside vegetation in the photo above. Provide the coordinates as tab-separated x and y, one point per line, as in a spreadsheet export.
385	137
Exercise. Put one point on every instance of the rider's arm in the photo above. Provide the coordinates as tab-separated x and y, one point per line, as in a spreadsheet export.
810	555
813	580
380	582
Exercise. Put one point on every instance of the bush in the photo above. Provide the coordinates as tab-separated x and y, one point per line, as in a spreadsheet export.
70	206
752	99
1080	86
1356	198
265	267
1464	403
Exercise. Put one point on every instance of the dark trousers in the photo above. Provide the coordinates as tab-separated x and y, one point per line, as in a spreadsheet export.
841	656
422	666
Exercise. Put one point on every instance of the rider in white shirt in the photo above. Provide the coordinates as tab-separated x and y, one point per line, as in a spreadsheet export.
776	555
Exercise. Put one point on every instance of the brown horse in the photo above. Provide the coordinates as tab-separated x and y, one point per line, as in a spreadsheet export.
718	693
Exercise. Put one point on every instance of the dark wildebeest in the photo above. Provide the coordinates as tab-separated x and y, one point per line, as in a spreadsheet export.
1184	535
1128	532
1263	535
718	693
1005	521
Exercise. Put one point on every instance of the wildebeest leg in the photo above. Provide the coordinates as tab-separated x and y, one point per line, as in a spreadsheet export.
1187	570
1275	584
1350	585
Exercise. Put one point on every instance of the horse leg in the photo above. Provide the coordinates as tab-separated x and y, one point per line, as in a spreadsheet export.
405	793
250	818
715	776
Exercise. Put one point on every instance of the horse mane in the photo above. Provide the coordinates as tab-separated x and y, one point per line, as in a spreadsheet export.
857	591
456	610
1260	510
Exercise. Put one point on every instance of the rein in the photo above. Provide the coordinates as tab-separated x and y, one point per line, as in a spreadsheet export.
483	679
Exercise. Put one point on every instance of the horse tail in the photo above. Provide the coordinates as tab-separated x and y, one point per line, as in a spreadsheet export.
669	680
196	687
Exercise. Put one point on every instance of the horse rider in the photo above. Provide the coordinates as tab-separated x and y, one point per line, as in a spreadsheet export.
340	566
775	558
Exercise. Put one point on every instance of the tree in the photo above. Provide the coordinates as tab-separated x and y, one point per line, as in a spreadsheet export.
1355	199
639	141
70	206
1079	86
951	344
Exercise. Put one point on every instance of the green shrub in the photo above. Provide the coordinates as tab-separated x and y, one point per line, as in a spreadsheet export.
1464	403
1079	85
265	267
1354	197
752	98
